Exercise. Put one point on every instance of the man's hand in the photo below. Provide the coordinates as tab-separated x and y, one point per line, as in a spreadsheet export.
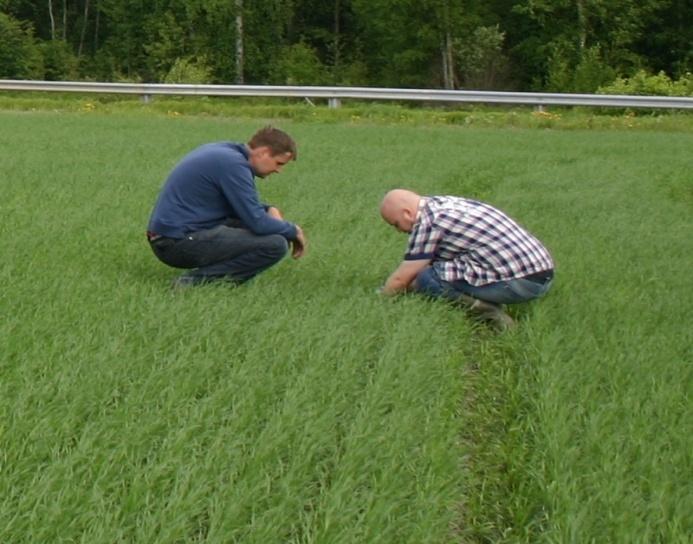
298	246
401	279
275	213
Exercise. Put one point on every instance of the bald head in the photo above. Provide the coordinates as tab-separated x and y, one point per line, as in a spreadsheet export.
399	208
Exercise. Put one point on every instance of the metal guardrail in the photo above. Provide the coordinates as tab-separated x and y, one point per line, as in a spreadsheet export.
335	94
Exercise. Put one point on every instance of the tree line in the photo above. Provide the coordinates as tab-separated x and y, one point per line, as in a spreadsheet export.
530	45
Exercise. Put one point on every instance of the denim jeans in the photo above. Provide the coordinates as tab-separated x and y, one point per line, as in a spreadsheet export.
221	253
501	292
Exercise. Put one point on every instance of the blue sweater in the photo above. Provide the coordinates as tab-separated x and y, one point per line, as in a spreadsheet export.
210	185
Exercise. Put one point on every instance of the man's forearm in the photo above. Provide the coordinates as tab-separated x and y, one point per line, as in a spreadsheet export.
400	281
394	285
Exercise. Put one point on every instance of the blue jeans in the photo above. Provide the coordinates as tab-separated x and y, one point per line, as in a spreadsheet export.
501	292
221	253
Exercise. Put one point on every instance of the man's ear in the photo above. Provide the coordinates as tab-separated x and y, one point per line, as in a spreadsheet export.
407	214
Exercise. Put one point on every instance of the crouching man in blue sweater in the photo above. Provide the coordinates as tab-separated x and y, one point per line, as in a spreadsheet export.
209	218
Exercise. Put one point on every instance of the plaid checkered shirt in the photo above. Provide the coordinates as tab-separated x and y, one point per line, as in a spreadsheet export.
472	241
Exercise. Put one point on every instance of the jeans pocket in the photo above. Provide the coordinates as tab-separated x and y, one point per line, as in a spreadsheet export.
206	234
162	244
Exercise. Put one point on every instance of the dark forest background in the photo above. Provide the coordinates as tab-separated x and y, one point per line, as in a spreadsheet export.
528	45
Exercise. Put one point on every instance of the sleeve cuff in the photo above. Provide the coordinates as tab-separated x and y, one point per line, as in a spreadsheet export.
418	256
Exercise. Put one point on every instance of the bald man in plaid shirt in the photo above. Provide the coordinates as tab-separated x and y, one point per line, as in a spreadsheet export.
467	251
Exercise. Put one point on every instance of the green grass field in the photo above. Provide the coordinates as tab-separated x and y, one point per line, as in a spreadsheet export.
302	407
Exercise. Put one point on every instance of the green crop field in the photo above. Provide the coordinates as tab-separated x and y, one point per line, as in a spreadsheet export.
302	407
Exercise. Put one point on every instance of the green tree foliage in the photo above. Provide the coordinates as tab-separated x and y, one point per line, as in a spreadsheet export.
558	45
189	70
667	39
578	45
482	62
299	65
330	29
59	61
646	84
400	40
19	55
266	25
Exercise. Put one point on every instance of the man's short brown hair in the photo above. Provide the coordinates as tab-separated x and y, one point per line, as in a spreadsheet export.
277	140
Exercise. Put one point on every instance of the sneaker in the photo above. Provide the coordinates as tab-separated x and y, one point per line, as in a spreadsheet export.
183	282
488	312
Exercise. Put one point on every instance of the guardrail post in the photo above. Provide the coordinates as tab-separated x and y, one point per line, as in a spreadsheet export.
146	98
539	108
334	102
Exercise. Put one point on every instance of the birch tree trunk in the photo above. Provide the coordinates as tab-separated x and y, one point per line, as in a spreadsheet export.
84	28
336	37
50	14
239	42
448	63
446	49
96	26
64	20
582	25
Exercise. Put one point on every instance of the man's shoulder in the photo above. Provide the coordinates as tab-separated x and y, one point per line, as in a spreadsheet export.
231	152
448	201
447	205
219	160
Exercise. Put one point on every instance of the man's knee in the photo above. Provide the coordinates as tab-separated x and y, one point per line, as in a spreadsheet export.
275	246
